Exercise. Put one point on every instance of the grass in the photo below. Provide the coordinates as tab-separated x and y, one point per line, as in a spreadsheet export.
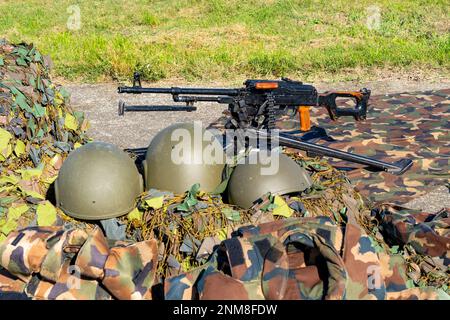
200	40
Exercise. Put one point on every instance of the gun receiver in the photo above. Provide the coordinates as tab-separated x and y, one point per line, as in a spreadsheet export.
259	102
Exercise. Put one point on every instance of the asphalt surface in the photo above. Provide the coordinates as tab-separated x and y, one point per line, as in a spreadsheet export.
136	129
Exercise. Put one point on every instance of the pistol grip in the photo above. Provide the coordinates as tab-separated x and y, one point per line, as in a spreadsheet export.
305	120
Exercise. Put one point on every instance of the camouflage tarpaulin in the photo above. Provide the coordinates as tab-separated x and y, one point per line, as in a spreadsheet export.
414	125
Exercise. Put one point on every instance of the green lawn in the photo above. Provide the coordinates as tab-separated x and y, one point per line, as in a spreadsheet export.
232	40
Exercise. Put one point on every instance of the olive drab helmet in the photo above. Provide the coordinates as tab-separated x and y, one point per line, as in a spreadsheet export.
97	181
247	183
182	155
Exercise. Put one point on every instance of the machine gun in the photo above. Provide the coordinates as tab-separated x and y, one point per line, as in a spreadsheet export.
258	103
256	106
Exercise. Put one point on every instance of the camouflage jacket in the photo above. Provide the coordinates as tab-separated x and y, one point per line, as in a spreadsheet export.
39	261
301	258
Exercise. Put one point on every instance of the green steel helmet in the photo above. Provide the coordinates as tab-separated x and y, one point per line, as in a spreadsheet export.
247	183
97	181
182	155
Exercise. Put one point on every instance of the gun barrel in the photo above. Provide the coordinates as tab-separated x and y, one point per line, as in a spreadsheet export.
287	140
398	167
176	91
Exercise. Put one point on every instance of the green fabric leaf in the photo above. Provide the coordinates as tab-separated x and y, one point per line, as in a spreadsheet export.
70	122
33	194
155	203
16	212
9	226
336	216
37	56
318	167
376	245
222	234
21	51
32	126
318	187
7	200
5	136
64	93
46	214
135	214
282	208
21	100
223	185
40	133
231	214
343	214
191	198
1	62
20	147
394	249
21	62
410	284
39	111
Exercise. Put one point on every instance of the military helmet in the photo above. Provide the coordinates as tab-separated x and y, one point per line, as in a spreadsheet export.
247	183
97	181
177	159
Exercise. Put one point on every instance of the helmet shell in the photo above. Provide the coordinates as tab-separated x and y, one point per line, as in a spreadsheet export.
97	181
168	168
247	184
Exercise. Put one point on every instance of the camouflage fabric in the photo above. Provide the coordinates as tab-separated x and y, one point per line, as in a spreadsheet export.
54	263
428	234
413	125
293	259
421	238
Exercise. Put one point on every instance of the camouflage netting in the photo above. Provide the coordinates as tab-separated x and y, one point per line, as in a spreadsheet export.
177	240
37	131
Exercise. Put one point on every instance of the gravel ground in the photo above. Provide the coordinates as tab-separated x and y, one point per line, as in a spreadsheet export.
135	129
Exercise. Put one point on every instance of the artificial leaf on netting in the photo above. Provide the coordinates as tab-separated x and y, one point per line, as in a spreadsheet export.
70	122
39	111
231	214
16	211
5	136
46	214
282	208
19	149
8	226
135	214
191	198
155	202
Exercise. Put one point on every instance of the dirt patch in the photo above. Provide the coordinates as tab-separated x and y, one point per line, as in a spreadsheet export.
432	201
